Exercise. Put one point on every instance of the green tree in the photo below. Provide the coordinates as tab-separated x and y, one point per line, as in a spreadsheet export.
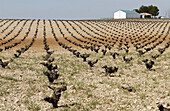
143	9
136	10
148	9
153	10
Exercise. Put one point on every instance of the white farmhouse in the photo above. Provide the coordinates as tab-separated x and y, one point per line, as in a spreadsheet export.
145	15
123	14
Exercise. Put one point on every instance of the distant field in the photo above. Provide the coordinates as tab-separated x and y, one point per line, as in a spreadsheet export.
23	84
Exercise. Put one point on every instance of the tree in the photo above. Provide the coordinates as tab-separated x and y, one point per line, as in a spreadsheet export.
153	10
136	10
148	9
143	9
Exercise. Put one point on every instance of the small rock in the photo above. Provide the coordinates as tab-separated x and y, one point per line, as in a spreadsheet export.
22	105
122	106
4	99
166	67
117	90
2	105
149	107
16	101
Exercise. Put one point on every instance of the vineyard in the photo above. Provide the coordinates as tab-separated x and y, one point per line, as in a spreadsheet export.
117	65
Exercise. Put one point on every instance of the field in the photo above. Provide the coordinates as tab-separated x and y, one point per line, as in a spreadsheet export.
23	85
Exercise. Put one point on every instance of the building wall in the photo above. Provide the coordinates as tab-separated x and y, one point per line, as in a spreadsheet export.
119	15
145	16
132	15
122	15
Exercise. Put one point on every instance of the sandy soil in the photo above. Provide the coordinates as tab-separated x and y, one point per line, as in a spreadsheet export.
23	84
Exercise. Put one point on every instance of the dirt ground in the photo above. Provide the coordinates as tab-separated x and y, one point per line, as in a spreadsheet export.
23	85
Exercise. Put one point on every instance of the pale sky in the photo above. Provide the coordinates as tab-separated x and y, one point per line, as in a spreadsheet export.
72	9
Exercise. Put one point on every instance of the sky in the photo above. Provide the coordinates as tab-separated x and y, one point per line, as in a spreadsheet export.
72	9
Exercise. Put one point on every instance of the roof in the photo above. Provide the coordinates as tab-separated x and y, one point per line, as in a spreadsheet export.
128	11
146	14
